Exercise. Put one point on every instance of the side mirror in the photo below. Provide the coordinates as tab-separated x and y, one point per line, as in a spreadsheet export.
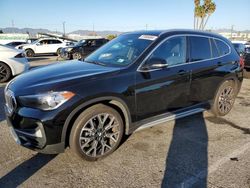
156	63
38	44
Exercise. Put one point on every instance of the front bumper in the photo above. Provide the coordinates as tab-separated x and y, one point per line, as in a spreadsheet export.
65	54
19	65
33	133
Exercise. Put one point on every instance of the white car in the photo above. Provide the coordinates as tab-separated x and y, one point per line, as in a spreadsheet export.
43	46
12	62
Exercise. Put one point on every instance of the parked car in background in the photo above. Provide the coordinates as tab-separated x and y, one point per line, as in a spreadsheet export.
135	81
240	47
15	43
247	59
12	62
82	48
246	43
244	53
43	46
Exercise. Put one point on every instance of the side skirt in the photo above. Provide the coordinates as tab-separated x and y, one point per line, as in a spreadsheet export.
157	120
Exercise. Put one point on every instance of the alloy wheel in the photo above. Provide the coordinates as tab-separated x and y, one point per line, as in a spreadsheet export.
99	135
3	72
226	99
77	56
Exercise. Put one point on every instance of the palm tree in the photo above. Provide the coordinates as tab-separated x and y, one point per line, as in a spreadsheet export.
197	4
210	10
202	13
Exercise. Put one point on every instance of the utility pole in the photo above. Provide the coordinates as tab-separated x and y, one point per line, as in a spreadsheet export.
12	23
64	28
93	29
232	28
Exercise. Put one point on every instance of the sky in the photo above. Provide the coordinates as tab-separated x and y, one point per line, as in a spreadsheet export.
119	15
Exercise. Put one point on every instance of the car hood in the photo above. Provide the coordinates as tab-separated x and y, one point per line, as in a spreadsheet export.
57	77
4	48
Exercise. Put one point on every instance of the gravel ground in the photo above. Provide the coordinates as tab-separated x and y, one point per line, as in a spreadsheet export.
196	151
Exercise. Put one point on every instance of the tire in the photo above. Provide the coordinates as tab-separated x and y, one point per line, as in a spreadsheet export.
29	53
77	56
58	51
246	73
5	72
92	136
224	98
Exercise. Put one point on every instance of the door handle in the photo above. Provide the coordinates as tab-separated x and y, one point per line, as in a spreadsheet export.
182	72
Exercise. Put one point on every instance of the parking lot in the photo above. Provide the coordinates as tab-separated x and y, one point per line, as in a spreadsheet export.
196	151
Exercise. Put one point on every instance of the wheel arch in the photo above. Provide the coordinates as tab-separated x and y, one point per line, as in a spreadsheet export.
230	78
114	102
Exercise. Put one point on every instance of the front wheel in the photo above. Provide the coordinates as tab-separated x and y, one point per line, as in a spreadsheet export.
29	53
5	72
97	132
77	55
224	98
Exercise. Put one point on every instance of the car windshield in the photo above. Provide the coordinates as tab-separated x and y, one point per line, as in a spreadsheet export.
79	42
122	50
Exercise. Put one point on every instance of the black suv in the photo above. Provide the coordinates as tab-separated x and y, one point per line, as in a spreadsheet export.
135	81
82	48
244	53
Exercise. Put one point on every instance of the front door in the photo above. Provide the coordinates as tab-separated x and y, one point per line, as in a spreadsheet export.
166	88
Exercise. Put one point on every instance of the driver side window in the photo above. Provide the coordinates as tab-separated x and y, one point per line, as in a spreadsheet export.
171	51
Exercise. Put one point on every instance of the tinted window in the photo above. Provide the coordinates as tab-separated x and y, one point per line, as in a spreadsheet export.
199	48
44	42
173	51
121	51
99	42
55	42
215	52
223	48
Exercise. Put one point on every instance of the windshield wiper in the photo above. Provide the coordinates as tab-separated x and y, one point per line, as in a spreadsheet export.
95	62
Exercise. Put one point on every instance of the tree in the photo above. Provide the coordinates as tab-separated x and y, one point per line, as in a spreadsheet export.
1	31
110	37
202	13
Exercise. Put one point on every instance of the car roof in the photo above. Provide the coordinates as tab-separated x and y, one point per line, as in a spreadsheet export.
176	31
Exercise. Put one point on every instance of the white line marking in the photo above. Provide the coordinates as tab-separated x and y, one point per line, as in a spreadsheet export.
202	174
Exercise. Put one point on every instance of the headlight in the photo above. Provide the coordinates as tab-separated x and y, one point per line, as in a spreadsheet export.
46	101
68	49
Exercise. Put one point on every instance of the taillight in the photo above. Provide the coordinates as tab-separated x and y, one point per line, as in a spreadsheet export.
242	62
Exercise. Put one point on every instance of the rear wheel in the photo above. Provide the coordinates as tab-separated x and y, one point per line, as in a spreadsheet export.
247	73
58	51
5	72
224	99
29	53
97	132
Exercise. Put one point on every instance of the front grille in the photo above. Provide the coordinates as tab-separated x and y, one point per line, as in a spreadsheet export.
10	101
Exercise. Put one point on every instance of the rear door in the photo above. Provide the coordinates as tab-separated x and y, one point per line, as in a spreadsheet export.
207	67
54	45
42	46
165	89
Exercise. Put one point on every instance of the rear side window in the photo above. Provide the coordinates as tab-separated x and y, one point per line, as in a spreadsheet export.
199	48
222	47
55	42
215	52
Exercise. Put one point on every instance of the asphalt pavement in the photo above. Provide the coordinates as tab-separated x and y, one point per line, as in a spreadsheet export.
196	151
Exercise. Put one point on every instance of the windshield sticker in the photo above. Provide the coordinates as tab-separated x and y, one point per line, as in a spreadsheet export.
148	37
